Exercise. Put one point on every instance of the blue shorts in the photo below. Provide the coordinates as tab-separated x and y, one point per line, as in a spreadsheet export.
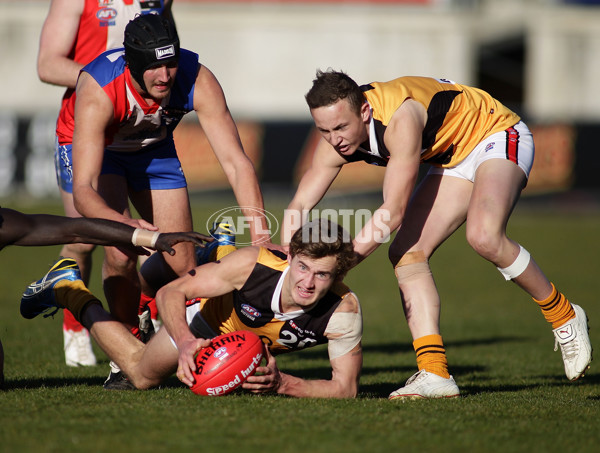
155	168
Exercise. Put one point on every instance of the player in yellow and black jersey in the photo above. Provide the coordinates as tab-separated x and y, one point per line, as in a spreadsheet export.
480	153
291	302
256	306
459	117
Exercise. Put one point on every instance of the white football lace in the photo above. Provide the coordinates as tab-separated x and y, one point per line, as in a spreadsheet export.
569	349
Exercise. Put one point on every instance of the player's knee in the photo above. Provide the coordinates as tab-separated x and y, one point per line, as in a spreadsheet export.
155	273
116	261
141	382
181	263
485	242
78	251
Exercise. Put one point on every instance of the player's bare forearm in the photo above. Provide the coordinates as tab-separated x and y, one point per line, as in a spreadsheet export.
269	379
293	218
170	301
89	203
343	383
44	229
253	209
315	388
385	220
248	195
311	189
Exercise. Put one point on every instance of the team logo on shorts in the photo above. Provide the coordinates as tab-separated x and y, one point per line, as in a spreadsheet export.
489	146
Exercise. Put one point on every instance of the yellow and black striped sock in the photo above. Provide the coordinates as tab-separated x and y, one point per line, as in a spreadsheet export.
556	308
431	355
74	296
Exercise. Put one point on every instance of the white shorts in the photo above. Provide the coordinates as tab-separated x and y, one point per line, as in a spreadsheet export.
514	144
198	326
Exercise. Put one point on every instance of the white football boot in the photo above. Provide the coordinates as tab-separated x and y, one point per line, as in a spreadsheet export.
78	348
575	346
424	384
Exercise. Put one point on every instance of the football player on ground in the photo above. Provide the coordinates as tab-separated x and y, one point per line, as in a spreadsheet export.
291	302
17	228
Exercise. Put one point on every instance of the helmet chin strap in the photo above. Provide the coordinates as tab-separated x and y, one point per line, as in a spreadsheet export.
139	78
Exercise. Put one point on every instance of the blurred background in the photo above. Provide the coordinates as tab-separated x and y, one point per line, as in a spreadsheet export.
539	57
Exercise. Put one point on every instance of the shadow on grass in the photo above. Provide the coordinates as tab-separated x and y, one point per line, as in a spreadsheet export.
39	383
396	347
485	341
383	389
390	377
538	382
408	347
52	383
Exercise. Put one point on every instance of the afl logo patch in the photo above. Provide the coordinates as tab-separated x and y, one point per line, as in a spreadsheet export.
250	312
106	14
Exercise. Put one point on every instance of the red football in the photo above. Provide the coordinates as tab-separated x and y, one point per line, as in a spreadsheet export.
227	363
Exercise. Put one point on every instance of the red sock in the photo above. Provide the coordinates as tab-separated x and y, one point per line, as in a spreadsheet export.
70	323
144	300
136	332
153	309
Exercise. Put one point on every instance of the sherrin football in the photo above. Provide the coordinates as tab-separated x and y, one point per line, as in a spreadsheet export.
227	363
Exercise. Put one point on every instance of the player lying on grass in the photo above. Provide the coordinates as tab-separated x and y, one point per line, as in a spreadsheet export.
17	228
291	303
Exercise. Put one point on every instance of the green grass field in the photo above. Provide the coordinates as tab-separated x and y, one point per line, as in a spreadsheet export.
515	397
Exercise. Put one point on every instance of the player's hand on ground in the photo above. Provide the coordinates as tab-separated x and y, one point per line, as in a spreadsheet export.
267	377
187	356
166	241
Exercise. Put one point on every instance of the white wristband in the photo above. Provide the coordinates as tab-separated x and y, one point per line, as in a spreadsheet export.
144	238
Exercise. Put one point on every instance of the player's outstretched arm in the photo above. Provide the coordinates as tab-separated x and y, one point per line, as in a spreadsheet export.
221	131
343	382
17	228
325	167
